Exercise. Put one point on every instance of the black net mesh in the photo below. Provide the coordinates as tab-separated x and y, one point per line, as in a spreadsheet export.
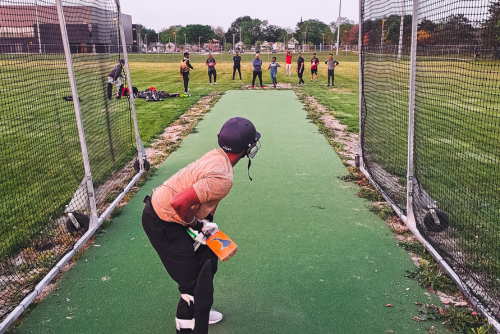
456	132
457	140
42	182
384	113
93	33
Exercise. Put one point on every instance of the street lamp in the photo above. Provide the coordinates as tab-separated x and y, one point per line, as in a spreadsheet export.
321	48
184	42
199	44
175	42
233	43
338	29
304	43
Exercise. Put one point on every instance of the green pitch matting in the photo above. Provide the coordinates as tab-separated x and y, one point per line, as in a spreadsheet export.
312	258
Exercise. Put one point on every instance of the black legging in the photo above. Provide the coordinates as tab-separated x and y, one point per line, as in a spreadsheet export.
170	239
185	77
236	67
255	75
331	74
212	71
300	77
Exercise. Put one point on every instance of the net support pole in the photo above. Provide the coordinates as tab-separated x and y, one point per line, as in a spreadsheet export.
411	116
338	29
359	153
140	149
78	115
401	24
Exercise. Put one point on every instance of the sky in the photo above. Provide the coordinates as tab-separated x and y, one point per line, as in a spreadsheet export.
158	14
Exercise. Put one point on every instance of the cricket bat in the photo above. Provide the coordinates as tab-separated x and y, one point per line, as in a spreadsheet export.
222	245
219	243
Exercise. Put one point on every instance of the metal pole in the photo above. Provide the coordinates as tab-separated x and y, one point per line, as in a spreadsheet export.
79	122
411	115
338	29
38	29
140	149
400	51
359	157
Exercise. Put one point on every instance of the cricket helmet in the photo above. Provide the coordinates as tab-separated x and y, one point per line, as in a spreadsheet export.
122	61
237	134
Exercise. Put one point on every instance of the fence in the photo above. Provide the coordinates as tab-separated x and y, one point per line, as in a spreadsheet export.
63	144
429	138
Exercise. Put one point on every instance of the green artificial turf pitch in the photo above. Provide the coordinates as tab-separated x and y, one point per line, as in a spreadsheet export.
312	258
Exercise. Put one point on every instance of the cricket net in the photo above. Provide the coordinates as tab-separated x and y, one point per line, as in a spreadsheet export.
447	160
66	159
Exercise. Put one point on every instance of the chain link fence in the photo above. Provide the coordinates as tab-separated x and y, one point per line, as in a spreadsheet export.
429	117
64	142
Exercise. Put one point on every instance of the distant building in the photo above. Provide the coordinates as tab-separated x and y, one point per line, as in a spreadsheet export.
136	38
292	43
240	45
35	29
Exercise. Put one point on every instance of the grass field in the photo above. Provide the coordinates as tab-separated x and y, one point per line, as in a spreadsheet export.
41	128
343	56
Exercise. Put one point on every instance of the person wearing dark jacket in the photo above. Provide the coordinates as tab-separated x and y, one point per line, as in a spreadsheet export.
114	78
185	66
211	69
236	65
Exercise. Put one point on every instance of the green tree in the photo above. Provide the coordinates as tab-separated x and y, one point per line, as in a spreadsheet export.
313	30
392	28
251	31
273	33
169	32
235	28
152	35
490	33
329	36
194	32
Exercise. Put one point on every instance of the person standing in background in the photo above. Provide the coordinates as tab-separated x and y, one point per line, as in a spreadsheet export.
332	63
114	78
300	70
185	66
211	69
274	70
257	70
288	65
314	66
236	64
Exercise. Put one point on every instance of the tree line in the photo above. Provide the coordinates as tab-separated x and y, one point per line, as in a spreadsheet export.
253	31
456	29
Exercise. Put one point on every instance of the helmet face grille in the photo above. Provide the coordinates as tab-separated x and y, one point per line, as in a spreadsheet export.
252	150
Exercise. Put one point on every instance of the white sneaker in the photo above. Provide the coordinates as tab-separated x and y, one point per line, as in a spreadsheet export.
215	83
210	84
215	317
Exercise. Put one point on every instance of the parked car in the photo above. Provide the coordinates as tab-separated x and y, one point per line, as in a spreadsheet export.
231	51
274	51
